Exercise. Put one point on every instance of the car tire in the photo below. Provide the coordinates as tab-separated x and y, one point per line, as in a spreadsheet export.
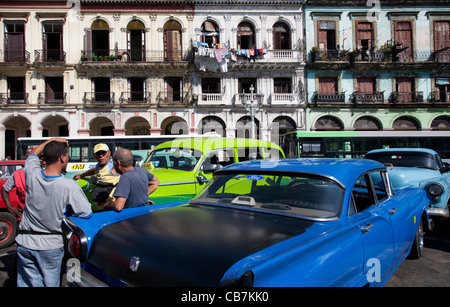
8	229
417	246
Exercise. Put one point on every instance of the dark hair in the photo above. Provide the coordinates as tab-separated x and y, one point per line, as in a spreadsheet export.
53	150
124	156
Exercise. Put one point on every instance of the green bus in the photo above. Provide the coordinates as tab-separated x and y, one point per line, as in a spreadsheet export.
355	144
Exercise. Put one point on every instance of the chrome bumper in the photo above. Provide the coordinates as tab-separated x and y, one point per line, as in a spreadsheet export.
438	212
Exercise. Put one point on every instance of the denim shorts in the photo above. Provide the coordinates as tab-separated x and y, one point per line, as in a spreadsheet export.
37	268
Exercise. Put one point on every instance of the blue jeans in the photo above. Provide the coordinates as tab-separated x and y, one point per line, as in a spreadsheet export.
39	268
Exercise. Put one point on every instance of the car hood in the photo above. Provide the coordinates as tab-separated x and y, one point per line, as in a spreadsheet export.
411	176
191	245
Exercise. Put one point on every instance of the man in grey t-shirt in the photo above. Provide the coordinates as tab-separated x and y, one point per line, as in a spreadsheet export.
40	243
135	184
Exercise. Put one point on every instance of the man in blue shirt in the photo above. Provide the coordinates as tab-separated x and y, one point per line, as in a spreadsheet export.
135	184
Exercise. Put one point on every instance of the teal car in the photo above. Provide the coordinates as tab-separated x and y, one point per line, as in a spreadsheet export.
419	167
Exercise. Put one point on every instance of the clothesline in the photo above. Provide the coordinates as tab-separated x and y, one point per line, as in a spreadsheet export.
213	59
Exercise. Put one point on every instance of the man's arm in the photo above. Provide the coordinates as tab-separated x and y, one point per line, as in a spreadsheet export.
40	148
116	205
153	185
89	172
16	211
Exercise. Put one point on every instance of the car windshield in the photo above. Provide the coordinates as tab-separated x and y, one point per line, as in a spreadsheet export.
303	195
182	159
404	158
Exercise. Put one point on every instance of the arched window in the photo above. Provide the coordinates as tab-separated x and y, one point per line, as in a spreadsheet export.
172	41
405	123
246	36
328	123
281	36
441	123
367	123
210	33
98	38
136	41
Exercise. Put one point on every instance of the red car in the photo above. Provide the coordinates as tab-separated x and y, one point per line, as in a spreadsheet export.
8	222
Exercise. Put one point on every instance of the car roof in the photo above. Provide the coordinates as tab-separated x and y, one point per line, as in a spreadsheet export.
427	150
345	171
209	143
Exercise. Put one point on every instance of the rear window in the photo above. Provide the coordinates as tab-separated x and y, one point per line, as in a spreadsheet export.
404	158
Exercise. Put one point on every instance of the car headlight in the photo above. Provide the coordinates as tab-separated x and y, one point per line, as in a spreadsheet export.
435	189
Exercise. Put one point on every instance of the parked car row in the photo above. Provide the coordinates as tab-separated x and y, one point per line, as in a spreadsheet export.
285	222
230	212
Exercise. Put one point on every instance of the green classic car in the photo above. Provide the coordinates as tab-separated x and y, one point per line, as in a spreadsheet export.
184	166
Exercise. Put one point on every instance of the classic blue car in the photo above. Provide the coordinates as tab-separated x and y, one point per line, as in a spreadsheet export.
262	223
419	167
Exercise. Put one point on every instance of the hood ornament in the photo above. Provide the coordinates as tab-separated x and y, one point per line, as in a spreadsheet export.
134	263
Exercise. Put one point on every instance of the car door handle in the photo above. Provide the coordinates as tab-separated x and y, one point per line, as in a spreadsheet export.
366	228
392	211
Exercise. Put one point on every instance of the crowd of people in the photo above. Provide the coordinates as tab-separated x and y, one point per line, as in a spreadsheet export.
46	196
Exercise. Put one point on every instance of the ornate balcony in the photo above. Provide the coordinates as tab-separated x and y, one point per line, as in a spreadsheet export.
52	98
407	97
14	98
329	97
94	98
135	98
368	97
133	56
49	56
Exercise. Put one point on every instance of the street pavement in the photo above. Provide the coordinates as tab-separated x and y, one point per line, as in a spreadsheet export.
432	270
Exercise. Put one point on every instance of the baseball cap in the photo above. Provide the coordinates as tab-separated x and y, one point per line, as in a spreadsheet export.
101	147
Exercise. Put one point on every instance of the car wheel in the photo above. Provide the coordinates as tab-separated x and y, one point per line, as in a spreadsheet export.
8	224
417	246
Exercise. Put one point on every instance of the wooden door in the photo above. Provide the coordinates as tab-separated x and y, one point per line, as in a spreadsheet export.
172	45
404	37
405	89
328	85
442	40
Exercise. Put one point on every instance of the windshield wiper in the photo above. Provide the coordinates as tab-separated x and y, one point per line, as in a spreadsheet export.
276	206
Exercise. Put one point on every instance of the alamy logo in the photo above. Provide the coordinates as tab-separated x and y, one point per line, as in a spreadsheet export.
374	272
73	270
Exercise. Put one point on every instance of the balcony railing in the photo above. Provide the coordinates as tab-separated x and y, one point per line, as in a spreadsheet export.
133	55
440	97
135	97
407	97
52	98
98	97
174	97
390	56
211	97
329	55
14	98
284	97
49	55
368	97
329	97
15	56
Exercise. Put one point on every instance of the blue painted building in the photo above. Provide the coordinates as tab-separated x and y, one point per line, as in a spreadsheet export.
378	65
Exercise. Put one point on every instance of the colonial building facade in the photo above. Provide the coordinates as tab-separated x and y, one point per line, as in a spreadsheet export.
110	67
383	68
246	68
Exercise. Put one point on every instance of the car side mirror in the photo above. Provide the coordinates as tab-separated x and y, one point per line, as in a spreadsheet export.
210	168
444	169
